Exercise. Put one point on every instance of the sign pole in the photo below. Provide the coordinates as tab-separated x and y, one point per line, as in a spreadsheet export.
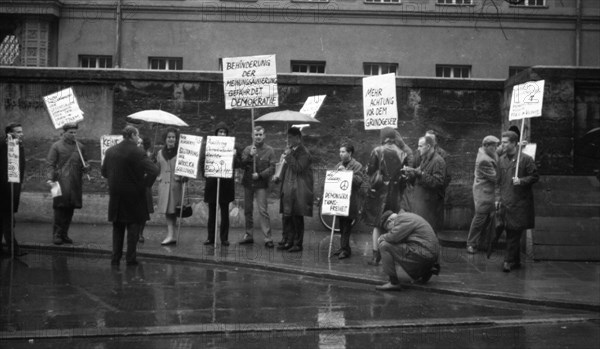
253	142
180	211
81	157
331	237
520	144
217	209
12	220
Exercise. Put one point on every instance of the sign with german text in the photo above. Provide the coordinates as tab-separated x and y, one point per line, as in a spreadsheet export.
106	142
336	193
379	101
527	100
220	152
63	108
530	150
250	82
14	172
188	156
312	105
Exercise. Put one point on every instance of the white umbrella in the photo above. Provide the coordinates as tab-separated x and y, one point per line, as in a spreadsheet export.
158	117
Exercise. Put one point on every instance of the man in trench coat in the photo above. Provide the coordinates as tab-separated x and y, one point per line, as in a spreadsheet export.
129	171
296	199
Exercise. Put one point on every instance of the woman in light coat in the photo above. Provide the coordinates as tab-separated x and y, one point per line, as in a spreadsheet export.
169	185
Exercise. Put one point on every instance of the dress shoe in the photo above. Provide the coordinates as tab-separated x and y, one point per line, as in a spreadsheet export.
225	243
471	250
295	249
57	240
337	253
343	255
281	243
66	239
284	247
246	240
141	239
208	242
132	263
168	242
269	244
389	287
375	261
507	266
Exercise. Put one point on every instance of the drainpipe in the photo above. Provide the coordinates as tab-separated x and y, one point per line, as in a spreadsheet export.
118	35
578	34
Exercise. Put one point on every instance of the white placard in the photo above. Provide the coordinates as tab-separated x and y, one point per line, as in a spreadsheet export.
14	172
530	149
250	82
63	108
106	142
219	156
312	105
527	100
336	194
188	156
379	101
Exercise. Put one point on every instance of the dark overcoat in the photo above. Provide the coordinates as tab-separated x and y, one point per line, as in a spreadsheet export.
517	200
296	196
427	197
129	172
5	190
63	165
484	183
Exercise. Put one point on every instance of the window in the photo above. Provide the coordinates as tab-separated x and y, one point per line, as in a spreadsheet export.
514	70
313	67
453	71
89	61
532	3
165	63
455	2
380	68
9	50
382	1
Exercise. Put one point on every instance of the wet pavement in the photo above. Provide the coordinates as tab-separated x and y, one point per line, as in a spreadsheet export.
72	299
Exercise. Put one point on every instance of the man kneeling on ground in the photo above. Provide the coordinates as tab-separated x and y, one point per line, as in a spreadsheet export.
408	247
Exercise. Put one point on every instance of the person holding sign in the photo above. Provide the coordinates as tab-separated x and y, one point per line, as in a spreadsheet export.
296	198
169	185
226	195
515	198
409	247
65	166
14	132
129	172
258	161
348	163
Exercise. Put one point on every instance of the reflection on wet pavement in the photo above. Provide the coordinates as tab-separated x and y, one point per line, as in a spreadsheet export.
54	295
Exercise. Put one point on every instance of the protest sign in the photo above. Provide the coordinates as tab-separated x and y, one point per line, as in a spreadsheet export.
526	101
336	193
219	156
188	156
106	142
63	108
312	105
14	172
530	150
250	82
379	102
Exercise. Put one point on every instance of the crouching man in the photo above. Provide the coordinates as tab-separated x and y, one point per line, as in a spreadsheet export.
408	247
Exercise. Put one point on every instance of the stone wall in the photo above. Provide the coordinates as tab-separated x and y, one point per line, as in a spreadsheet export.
462	112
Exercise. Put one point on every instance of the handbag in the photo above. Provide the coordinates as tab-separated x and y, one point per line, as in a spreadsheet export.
187	211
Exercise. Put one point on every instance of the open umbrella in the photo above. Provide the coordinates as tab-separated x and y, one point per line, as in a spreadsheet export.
158	117
287	116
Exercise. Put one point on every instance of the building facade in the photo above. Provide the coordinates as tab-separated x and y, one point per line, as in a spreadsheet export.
429	38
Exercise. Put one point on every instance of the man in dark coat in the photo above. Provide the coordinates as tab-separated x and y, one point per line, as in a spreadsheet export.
14	131
258	161
348	163
484	187
515	197
226	194
296	198
428	178
64	165
408	246
129	172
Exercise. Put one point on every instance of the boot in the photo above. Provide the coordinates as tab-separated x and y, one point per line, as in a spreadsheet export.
376	258
57	240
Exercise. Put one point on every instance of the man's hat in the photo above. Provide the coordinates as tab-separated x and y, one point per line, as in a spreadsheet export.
384	217
70	126
490	139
